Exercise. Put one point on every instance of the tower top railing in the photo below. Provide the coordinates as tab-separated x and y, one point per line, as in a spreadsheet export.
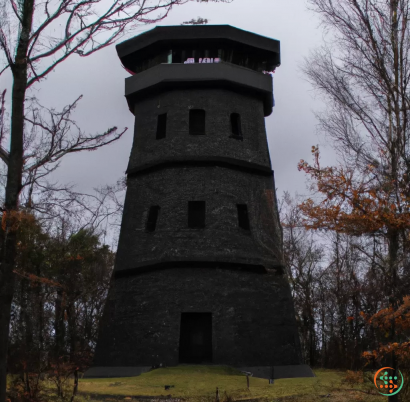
182	44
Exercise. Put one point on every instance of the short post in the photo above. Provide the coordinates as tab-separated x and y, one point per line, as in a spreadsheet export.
247	380
217	395
271	376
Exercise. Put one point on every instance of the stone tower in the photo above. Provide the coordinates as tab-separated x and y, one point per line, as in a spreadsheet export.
199	274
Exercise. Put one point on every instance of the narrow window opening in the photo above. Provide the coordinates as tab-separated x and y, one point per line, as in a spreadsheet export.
236	125
196	214
161	126
152	218
176	56
243	217
197	122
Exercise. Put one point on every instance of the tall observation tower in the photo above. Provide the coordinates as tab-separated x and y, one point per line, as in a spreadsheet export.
199	274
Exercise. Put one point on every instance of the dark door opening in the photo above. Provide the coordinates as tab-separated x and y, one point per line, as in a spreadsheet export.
195	342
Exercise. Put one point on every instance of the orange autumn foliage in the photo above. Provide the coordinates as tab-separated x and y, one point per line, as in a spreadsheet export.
354	377
34	278
72	258
355	205
383	318
13	219
382	323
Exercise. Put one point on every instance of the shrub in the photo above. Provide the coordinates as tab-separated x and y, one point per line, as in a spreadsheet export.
354	377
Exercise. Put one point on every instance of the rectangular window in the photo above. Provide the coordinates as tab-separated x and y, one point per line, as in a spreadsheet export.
161	126
243	218
197	122
196	214
236	125
152	218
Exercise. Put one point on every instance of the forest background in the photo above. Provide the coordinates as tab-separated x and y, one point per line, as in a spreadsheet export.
346	243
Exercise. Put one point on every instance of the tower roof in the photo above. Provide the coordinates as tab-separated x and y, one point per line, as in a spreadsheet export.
160	37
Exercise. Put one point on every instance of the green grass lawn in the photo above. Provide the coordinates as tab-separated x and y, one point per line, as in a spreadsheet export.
198	383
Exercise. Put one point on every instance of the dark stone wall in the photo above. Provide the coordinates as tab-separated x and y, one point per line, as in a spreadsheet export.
221	240
253	318
218	105
252	314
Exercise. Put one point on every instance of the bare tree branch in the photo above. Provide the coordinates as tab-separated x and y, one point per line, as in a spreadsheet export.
59	135
4	155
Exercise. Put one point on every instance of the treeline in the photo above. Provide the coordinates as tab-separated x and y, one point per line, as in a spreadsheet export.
351	286
339	282
62	278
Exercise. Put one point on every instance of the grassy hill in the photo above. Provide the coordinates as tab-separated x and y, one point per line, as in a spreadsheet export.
198	383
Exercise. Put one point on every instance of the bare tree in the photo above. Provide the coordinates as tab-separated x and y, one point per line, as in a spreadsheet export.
364	72
303	258
366	78
31	52
51	138
333	282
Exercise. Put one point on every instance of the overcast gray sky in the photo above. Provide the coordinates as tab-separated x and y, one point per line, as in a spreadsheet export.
291	128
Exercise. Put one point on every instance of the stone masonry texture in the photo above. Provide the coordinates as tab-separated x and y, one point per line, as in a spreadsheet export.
252	313
218	105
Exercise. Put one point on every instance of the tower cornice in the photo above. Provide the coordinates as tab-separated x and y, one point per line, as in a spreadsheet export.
165	77
252	265
231	163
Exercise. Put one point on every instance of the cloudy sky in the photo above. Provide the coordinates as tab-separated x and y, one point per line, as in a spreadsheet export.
291	129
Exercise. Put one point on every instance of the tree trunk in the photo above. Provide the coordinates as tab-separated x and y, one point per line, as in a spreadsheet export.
25	328
393	262
75	389
13	187
8	248
394	398
59	327
323	359
72	329
40	320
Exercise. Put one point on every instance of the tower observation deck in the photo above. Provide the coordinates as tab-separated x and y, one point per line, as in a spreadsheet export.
199	274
